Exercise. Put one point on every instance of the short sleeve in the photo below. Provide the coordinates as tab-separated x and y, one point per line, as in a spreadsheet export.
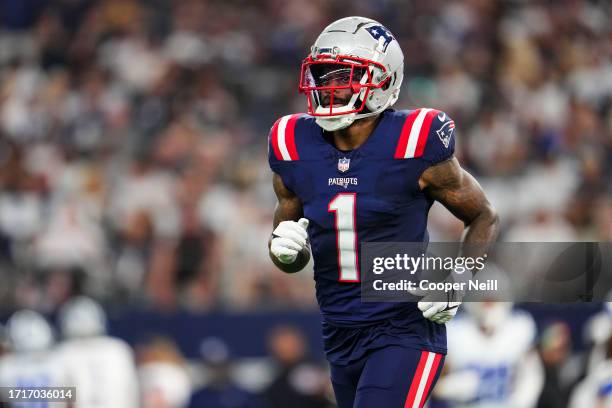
273	155
426	134
440	144
282	150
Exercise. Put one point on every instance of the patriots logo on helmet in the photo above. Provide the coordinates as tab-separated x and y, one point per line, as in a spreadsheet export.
379	31
445	133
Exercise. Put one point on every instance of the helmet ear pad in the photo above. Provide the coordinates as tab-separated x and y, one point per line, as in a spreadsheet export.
384	96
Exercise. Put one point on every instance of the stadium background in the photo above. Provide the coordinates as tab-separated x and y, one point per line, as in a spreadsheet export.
133	155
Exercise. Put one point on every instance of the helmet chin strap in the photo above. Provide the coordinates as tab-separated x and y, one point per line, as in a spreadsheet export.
331	124
336	122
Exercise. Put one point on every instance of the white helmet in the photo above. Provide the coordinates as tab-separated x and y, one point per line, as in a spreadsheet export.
82	317
357	56
490	315
29	331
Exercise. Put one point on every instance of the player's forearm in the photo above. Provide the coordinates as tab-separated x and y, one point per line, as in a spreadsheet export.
482	231
300	262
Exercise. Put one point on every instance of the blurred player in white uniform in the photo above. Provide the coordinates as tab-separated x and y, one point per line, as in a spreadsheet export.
31	362
598	329
101	367
491	360
596	389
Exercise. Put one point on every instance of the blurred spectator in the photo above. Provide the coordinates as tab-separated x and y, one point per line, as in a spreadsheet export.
561	369
21	200
298	383
145	191
541	227
603	218
3	341
164	381
100	367
220	390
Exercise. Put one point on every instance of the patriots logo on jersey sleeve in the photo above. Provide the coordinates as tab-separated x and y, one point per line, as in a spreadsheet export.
445	133
343	164
379	31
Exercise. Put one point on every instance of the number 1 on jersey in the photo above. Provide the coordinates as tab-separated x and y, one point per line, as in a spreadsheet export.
344	206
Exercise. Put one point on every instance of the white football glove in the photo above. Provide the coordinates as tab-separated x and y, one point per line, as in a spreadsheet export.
288	239
443	312
439	312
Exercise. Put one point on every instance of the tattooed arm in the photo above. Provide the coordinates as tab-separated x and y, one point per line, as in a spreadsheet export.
288	208
461	194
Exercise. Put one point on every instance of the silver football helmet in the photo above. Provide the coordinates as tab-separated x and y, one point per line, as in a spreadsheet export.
490	315
82	317
354	70
29	331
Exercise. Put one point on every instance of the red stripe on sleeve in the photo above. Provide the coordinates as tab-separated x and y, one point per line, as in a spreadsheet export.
274	140
402	144
290	137
414	386
424	133
432	375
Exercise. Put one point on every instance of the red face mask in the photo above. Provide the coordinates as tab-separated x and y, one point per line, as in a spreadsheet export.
338	85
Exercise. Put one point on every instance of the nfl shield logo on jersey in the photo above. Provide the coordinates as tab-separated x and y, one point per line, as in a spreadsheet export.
343	164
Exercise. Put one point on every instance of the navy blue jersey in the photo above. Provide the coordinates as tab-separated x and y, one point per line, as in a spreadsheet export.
369	194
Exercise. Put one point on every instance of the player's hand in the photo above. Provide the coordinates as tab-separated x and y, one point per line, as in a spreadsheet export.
439	312
288	239
443	312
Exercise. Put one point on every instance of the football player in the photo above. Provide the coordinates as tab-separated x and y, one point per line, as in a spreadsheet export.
100	367
353	170
597	331
492	360
31	362
596	389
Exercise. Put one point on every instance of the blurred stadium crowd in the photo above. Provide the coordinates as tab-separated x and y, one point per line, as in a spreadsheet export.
133	135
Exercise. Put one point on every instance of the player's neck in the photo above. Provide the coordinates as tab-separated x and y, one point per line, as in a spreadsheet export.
355	135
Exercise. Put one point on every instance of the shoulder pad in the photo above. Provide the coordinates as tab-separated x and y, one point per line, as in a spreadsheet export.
426	132
282	138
